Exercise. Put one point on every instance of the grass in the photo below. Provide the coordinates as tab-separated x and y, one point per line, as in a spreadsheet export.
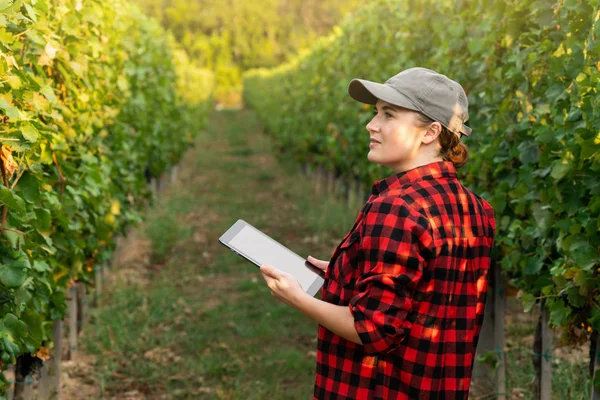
204	325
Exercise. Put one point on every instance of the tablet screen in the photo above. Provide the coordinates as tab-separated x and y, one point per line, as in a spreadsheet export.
264	250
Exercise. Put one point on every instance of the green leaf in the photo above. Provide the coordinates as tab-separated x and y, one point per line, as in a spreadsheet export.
15	328
9	345
528	300
559	170
30	11
574	115
575	299
14	238
13	274
14	81
534	266
490	358
13	201
4	4
558	312
33	321
11	112
41	266
528	152
589	149
542	216
596	381
30	187
30	133
586	257
475	45
49	93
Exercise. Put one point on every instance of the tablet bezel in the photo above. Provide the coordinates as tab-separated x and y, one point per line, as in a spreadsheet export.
240	224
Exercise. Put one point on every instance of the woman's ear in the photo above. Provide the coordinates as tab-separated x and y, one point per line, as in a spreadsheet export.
433	131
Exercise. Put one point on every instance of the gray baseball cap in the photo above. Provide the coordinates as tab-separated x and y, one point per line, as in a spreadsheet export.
422	90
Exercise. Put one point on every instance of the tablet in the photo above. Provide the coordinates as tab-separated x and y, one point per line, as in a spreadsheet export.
258	248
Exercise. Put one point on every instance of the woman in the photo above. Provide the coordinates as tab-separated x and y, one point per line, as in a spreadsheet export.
404	295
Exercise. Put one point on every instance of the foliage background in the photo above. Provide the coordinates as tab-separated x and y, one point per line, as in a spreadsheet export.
93	102
229	37
531	70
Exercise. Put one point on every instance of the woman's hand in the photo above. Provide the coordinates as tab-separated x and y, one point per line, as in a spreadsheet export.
283	285
322	265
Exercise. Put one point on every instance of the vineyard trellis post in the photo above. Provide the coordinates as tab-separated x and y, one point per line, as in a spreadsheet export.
82	305
331	181
54	369
499	314
595	355
97	284
546	378
72	321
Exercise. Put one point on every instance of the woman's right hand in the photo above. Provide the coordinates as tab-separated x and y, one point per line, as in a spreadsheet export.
322	265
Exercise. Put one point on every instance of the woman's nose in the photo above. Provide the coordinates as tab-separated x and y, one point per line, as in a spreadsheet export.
371	127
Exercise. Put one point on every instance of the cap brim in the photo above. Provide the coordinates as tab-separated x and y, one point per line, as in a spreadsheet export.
369	92
465	130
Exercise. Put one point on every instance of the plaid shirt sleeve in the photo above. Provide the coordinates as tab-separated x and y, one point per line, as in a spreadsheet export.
394	244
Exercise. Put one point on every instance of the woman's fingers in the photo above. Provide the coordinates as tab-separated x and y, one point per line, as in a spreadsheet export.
267	274
322	265
269	271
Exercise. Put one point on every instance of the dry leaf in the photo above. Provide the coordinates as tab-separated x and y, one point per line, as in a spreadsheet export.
10	166
43	353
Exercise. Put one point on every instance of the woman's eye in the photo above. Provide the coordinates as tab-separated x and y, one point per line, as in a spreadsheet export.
387	114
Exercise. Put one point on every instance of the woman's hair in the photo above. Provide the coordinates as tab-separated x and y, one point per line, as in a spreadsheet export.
452	148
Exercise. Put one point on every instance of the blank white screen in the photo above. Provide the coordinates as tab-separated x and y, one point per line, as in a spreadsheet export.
265	250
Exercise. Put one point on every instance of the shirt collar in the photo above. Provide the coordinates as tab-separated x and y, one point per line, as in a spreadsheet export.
434	170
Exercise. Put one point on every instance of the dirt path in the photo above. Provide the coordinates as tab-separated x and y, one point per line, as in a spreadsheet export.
183	317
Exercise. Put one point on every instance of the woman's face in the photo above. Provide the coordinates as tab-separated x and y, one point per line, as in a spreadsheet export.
397	135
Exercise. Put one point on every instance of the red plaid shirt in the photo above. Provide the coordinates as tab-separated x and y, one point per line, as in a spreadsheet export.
413	272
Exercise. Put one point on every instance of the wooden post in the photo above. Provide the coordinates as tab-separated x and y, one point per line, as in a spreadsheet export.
44	384
161	183
322	180
23	384
596	359
319	179
304	169
546	378
164	181
486	344
54	362
331	181
82	305
173	174
154	188
499	312
97	284
72	321
359	194
338	190
315	182
9	374
363	194
350	192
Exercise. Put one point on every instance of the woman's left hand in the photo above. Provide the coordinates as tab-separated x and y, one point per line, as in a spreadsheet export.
283	285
